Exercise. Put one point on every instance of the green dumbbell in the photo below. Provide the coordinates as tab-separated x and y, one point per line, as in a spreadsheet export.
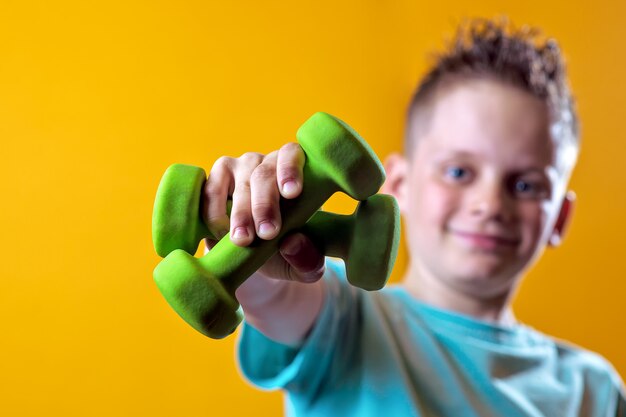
202	290
370	232
366	240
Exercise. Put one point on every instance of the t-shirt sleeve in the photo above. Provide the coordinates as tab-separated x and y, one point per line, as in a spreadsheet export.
621	404
606	383
272	365
621	393
615	394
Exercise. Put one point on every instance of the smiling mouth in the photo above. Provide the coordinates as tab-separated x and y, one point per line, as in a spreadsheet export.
486	241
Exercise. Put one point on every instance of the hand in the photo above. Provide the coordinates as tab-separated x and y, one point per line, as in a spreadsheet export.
255	182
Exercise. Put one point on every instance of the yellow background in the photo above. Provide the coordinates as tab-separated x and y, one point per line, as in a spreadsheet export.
98	98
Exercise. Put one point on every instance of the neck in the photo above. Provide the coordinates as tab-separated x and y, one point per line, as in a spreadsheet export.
426	288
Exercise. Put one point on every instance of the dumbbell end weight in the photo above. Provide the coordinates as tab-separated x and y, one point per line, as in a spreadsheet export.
176	221
366	240
334	148
375	242
197	297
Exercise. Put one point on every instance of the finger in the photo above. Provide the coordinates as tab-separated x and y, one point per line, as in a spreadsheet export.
241	223
214	195
265	198
306	262
289	168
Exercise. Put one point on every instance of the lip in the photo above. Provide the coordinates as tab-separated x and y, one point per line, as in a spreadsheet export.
486	241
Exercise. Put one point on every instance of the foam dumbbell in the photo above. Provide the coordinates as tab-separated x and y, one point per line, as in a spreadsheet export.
202	290
366	240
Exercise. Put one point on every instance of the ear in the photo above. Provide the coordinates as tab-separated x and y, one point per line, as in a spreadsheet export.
396	168
563	221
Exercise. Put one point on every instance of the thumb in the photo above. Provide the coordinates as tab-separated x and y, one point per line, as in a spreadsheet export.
304	261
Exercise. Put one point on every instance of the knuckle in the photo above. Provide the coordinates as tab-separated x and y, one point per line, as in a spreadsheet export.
223	162
241	218
213	188
263	209
215	218
242	186
289	274
263	172
287	171
253	157
290	147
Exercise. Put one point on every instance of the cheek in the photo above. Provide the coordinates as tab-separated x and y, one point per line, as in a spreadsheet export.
533	220
432	205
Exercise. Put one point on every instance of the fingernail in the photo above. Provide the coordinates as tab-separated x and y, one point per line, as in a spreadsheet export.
240	233
290	187
266	228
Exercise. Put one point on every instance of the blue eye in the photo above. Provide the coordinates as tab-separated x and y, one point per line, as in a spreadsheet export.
530	189
456	172
523	186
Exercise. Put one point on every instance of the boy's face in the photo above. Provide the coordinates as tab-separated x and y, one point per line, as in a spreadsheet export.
481	193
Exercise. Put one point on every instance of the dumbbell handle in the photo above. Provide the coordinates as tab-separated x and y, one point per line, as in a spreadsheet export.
330	232
235	263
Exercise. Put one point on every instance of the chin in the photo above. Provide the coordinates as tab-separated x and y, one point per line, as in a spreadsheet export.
487	273
484	281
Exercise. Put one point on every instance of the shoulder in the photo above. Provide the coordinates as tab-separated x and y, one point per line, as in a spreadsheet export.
573	359
589	362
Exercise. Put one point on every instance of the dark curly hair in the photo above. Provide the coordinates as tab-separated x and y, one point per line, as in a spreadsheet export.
522	57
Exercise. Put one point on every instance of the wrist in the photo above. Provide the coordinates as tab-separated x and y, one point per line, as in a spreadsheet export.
259	291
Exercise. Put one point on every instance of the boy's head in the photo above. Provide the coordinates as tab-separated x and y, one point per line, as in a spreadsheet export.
491	139
496	51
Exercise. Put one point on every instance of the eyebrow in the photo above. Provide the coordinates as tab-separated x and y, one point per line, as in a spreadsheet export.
447	154
443	155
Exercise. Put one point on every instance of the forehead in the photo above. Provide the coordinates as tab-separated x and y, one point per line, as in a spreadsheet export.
491	120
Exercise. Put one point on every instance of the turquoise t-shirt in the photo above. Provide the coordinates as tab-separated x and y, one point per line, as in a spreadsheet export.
385	354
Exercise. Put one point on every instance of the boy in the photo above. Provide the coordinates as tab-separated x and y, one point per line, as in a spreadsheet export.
492	137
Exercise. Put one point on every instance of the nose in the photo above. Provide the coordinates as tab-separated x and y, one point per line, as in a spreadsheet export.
490	200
